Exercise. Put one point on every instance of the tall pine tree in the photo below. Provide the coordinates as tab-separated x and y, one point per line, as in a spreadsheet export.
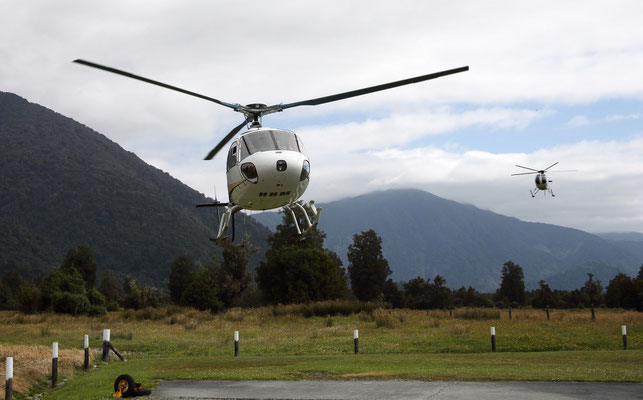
367	269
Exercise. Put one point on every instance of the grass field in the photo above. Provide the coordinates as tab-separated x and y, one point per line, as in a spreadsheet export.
279	343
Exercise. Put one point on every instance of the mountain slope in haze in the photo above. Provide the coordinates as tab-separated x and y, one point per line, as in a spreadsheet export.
65	185
425	235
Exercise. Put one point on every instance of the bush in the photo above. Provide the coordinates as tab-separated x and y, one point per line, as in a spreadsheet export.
95	310
113	306
28	299
70	303
96	298
477	314
383	319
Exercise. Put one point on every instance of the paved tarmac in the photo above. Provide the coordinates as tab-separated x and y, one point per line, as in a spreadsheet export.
393	389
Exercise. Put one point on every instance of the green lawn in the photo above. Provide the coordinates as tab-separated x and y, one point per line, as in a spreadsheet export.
186	344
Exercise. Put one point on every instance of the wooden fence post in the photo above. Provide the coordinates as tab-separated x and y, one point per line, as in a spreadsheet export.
624	331
105	345
54	364
547	312
493	339
8	391
356	340
593	314
509	312
86	346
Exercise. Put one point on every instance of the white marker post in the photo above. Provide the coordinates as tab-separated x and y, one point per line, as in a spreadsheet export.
86	346
106	345
356	340
236	343
624	330
493	339
54	364
9	381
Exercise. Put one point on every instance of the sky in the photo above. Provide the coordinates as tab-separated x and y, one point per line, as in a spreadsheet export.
549	81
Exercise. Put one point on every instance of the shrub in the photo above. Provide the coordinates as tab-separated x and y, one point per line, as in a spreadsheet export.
96	298
383	319
28	299
95	310
477	314
70	303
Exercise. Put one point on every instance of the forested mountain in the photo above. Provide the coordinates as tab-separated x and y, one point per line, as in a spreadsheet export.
63	185
425	235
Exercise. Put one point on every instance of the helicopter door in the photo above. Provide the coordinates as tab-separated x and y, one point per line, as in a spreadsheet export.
232	156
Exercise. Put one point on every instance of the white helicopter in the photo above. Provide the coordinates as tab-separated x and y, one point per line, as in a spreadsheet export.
542	183
266	168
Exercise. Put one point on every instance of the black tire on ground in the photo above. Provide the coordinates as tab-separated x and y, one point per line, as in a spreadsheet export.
142	392
126	383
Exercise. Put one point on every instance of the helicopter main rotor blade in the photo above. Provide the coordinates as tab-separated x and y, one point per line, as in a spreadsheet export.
550	166
563	170
524	173
153	82
359	92
531	169
226	139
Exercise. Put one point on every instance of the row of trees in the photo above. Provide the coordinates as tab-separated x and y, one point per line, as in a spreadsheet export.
622	291
297	269
70	289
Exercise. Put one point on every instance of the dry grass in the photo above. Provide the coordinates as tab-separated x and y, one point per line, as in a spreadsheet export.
32	364
187	334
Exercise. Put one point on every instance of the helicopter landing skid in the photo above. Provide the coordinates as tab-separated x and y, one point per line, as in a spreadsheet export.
231	209
535	191
315	212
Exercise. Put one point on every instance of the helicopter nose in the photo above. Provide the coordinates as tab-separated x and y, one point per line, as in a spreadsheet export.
282	165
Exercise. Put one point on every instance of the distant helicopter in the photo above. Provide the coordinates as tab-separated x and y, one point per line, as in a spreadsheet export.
542	183
266	167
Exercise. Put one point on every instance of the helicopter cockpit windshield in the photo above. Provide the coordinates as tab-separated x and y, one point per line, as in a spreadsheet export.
268	140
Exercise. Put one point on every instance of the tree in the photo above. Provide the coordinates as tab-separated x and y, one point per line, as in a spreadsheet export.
230	277
367	269
512	286
201	293
441	296
298	275
82	260
544	296
108	286
393	294
593	290
417	294
181	275
621	292
64	291
286	232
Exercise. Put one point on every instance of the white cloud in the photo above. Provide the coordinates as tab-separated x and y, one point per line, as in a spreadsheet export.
548	53
582	120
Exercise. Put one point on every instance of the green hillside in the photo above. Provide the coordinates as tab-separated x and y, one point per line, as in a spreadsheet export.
65	185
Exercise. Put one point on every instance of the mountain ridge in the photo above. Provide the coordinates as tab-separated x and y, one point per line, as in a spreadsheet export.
425	235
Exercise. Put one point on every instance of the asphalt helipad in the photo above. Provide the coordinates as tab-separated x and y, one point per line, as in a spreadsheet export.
393	389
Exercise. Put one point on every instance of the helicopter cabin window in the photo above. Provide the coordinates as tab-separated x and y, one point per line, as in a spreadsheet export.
270	140
285	140
232	156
